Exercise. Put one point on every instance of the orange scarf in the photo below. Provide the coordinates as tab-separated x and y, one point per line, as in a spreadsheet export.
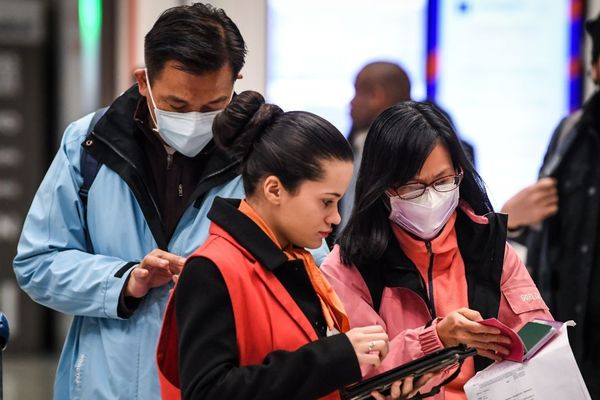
333	309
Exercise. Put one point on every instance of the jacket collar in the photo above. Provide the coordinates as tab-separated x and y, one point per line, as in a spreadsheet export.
591	112
444	245
225	213
118	129
116	142
481	240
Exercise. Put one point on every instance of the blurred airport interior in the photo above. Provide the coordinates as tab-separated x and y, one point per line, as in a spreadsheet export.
506	70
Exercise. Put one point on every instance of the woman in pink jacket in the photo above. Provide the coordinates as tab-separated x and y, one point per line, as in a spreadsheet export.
423	253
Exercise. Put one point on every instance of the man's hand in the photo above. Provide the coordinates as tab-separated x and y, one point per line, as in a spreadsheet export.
156	269
532	204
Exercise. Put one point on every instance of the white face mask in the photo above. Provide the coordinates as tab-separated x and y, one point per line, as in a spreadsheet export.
188	133
426	215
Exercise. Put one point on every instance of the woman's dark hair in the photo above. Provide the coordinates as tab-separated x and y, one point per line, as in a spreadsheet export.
397	145
289	145
200	37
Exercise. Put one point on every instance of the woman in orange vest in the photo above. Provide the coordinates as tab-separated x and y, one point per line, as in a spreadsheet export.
423	253
251	316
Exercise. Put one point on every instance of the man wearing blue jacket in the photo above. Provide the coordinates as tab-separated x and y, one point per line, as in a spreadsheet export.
108	258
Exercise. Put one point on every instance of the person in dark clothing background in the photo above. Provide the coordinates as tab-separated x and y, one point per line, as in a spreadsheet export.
564	254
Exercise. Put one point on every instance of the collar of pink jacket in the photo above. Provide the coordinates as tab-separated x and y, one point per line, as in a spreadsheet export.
444	246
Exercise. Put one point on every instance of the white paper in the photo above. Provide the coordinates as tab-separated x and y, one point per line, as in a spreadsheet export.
551	374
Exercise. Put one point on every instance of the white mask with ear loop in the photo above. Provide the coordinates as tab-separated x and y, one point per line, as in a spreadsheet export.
188	133
426	215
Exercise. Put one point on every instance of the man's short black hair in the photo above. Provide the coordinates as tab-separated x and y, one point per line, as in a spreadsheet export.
200	37
593	28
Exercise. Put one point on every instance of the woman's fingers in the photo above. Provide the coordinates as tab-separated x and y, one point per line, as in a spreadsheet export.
370	344
396	392
474	331
477	328
406	388
419	383
371	329
384	352
469	314
461	327
369	359
377	396
489	354
374	345
491	346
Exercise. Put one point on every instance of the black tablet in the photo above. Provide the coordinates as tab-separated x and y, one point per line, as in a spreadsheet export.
433	362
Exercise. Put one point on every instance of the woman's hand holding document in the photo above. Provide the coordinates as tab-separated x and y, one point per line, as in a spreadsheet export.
545	367
528	340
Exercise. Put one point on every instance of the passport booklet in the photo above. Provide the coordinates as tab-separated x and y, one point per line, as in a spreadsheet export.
528	340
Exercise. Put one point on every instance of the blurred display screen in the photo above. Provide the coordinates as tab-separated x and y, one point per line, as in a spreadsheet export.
502	68
503	75
316	48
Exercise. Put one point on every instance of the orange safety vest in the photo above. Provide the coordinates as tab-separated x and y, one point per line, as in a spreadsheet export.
266	317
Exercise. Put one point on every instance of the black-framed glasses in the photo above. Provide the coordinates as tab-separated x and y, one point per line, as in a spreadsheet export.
414	190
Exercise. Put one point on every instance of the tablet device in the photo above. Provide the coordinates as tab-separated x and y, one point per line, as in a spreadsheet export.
433	362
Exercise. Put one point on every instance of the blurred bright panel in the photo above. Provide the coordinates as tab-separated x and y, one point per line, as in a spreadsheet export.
503	68
90	28
504	78
316	48
90	21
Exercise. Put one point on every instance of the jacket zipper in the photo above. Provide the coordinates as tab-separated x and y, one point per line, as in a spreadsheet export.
194	196
226	168
135	168
430	279
170	157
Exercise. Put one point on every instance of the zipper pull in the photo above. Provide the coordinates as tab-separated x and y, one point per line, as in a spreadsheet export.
169	161
430	279
180	190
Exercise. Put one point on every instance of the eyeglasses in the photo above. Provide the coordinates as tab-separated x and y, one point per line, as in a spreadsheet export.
414	190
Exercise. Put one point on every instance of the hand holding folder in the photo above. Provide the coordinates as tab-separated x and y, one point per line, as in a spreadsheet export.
551	374
431	363
528	340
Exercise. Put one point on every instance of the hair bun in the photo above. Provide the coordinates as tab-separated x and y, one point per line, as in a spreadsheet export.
243	121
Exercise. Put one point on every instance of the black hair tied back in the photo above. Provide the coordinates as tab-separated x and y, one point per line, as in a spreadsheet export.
291	146
242	123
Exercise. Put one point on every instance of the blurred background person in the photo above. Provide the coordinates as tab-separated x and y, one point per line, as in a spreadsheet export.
530	206
565	254
378	85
